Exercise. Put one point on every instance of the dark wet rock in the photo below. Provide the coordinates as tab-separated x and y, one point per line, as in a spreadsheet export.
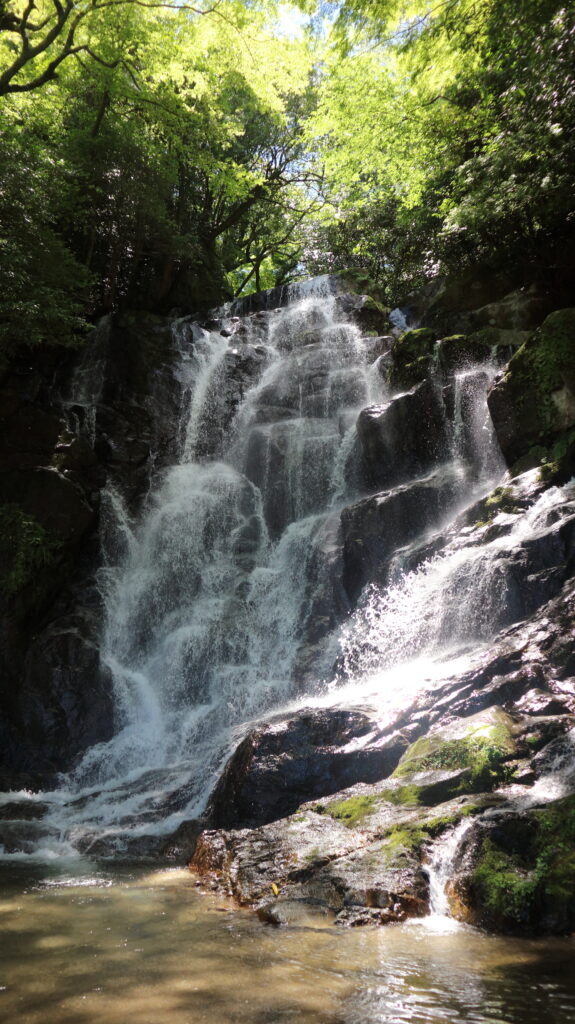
370	315
22	810
26	836
28	435
517	871
478	299
460	350
411	358
374	528
405	438
65	702
179	847
301	757
139	403
51	499
240	369
533	404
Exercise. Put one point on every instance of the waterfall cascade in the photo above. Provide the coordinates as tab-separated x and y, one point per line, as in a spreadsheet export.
224	601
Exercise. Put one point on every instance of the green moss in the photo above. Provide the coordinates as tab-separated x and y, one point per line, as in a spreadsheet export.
528	878
27	551
402	841
501	499
506	885
543	365
482	751
458	350
352	811
414	343
405	796
405	377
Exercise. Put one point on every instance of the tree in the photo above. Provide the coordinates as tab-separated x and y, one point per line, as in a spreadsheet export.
39	35
155	172
466	130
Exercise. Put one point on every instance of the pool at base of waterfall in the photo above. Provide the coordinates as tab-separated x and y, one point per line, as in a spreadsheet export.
146	947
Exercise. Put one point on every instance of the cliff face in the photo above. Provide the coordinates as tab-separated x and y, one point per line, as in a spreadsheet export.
87	436
71	426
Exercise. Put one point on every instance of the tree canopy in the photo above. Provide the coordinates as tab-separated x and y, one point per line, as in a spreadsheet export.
447	132
170	155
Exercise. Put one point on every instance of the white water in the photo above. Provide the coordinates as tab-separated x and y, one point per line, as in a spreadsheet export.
440	869
208	595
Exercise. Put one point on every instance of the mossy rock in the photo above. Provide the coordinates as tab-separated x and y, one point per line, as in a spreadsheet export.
414	343
350	812
411	356
523	876
502	499
499	338
405	377
534	402
460	350
28	555
476	747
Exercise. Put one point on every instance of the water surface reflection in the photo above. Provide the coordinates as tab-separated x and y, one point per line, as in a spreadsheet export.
151	947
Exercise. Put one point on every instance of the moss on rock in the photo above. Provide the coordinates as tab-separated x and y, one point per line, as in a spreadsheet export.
460	350
27	552
524	875
534	402
411	358
351	811
480	745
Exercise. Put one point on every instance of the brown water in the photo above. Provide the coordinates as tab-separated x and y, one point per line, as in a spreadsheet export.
150	948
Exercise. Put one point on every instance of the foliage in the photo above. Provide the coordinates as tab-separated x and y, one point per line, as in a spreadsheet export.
162	158
461	149
26	549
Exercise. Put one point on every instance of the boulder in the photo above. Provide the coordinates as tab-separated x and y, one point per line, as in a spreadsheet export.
301	757
403	439
516	871
533	403
411	358
65	701
374	528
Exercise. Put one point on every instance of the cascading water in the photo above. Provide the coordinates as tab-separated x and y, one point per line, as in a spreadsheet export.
211	597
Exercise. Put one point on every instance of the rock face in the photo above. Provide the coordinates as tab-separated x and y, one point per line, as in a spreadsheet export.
374	528
407	437
533	404
517	872
361	855
69	427
332	812
311	754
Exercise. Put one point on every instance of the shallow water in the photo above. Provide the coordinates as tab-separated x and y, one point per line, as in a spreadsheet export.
153	947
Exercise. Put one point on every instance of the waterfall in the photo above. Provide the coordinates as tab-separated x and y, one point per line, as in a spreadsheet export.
213	594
